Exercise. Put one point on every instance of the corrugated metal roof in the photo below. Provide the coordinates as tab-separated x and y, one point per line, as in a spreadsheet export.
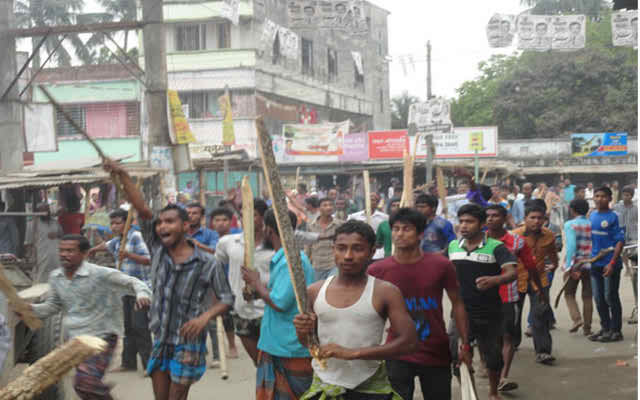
43	179
91	92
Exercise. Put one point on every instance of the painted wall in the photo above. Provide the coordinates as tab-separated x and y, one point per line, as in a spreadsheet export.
106	121
69	150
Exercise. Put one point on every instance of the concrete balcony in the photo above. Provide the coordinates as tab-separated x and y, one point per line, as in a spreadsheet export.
207	60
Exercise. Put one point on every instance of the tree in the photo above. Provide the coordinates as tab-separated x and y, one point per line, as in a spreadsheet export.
554	93
121	10
105	56
551	7
35	13
400	110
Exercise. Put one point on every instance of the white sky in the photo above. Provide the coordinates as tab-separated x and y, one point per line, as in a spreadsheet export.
456	30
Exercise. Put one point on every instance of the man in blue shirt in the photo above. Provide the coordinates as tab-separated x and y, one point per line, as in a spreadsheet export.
439	231
517	211
605	273
284	365
569	191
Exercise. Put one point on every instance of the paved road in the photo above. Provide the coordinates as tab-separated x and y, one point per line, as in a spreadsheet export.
584	370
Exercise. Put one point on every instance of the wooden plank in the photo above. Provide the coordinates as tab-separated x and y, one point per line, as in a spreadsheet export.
127	228
247	223
203	184
278	198
17	304
367	195
442	190
407	181
224	371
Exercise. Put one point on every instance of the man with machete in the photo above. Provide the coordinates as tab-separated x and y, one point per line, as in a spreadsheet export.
181	276
349	312
284	365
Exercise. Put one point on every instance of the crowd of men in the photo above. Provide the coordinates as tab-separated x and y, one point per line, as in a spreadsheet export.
364	269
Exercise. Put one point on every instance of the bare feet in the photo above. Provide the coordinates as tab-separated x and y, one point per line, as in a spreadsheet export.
233	352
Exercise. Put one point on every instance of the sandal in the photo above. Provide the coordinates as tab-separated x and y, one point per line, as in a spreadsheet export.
506	385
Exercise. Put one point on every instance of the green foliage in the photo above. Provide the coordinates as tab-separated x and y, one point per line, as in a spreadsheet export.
551	94
105	56
551	7
400	110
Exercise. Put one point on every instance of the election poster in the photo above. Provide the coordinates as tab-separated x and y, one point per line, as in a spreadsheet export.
179	129
289	42
534	32
328	14
624	28
311	143
500	30
598	144
569	32
230	9
269	32
432	115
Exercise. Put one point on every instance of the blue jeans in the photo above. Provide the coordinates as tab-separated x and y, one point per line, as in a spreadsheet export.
607	297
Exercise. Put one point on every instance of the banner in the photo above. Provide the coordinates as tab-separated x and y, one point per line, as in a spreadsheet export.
325	14
461	143
624	28
501	29
230	9
434	114
311	143
598	144
569	32
534	32
269	32
356	148
384	145
289	43
40	127
179	129
228	134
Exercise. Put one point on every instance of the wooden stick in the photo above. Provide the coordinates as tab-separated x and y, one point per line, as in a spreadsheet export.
484	175
467	386
367	195
247	223
278	198
601	254
442	190
407	181
17	304
203	184
224	372
52	368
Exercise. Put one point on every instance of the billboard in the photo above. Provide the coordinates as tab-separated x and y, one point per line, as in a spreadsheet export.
461	143
386	145
598	144
356	148
311	143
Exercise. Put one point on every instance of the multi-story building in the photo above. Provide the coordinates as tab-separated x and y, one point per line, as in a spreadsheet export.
206	53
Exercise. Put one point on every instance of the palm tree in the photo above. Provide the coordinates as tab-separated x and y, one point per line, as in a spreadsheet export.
37	13
400	110
121	10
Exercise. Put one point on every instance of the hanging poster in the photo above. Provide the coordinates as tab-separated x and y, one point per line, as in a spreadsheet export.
598	144
534	32
315	140
624	28
569	32
179	129
325	14
357	59
230	9
434	114
269	32
40	127
289	42
228	134
501	29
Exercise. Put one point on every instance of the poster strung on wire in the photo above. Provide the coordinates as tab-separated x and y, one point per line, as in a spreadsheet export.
311	143
289	43
624	28
534	32
432	115
328	14
501	29
230	9
179	129
569	32
40	127
598	144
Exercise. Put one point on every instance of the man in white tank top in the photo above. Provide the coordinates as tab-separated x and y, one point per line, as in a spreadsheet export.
349	312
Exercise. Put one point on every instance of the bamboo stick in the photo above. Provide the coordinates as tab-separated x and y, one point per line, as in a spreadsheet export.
224	372
367	195
17	304
127	227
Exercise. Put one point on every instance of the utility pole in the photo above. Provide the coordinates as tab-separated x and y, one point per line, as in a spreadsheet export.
11	140
428	161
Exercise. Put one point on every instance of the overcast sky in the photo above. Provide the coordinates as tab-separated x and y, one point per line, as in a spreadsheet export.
456	30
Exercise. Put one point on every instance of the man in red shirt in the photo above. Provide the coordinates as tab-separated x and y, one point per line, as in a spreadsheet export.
422	277
496	219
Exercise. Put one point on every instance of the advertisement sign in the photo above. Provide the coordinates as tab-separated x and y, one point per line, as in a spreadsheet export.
179	129
356	148
462	143
384	145
311	143
432	115
598	144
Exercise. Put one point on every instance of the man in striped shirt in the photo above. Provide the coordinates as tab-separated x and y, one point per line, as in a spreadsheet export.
577	232
496	219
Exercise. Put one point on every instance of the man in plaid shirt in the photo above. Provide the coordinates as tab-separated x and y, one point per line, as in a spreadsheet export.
134	261
496	219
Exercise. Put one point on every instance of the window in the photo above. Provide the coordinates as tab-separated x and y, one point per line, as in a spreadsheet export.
332	57
191	37
224	35
202	105
307	57
276	50
78	114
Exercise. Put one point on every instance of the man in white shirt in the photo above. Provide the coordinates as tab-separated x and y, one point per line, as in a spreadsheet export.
377	217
